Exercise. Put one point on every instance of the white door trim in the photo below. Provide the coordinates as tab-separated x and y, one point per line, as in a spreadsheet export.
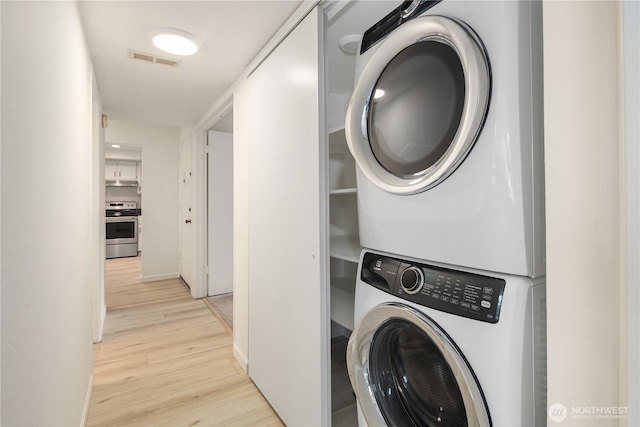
199	206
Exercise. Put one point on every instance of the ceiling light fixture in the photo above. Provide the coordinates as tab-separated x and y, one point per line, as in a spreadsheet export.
115	145
174	41
349	44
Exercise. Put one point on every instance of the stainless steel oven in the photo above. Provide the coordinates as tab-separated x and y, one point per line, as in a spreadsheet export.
122	229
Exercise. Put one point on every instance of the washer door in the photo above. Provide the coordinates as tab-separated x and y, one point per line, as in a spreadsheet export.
419	104
406	371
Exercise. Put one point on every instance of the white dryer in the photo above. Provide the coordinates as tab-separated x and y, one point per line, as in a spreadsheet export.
437	346
445	124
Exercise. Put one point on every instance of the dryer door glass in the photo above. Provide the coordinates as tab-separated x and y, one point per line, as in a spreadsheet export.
419	104
412	381
416	109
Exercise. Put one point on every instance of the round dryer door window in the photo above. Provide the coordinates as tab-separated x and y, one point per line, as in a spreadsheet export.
406	371
419	104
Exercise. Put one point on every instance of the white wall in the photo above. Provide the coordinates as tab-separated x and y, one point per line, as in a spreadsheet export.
159	193
631	39
47	258
220	213
98	235
123	153
584	206
123	194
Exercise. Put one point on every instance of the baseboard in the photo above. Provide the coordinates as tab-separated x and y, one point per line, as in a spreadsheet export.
241	358
87	402
157	277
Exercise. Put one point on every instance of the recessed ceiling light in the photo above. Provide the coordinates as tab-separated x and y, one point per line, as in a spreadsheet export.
174	41
349	44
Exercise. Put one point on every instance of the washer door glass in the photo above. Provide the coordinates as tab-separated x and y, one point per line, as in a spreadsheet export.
406	371
419	104
417	108
412	382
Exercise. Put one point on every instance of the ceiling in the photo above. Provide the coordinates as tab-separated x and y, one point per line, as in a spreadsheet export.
350	22
229	33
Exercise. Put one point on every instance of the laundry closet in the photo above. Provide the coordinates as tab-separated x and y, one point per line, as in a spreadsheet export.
343	37
344	251
345	29
303	226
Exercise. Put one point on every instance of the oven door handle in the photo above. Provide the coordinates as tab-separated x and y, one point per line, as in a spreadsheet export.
121	218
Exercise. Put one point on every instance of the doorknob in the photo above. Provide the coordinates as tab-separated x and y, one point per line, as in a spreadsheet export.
187	221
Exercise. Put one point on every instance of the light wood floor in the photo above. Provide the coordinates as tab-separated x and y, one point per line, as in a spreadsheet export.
165	360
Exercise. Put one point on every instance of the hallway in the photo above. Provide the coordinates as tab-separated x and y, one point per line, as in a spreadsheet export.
165	360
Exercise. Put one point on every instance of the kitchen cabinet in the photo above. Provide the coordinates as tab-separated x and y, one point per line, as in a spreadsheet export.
127	170
120	172
110	170
139	176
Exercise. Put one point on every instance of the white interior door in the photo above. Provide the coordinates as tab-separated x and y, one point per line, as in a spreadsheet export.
288	255
220	213
186	229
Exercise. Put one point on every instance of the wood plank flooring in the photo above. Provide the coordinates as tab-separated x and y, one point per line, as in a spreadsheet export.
165	360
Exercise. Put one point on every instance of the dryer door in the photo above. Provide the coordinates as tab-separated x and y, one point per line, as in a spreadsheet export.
419	104
406	371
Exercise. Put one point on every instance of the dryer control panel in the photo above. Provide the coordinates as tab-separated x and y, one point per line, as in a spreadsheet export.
457	292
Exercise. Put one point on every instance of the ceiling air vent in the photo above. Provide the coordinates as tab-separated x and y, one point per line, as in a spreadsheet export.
147	57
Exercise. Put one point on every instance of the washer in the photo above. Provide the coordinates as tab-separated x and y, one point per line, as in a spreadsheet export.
433	345
445	125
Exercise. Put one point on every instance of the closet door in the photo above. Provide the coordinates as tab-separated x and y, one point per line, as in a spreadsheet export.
288	254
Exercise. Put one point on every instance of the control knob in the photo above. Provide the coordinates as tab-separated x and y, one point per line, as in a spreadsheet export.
412	280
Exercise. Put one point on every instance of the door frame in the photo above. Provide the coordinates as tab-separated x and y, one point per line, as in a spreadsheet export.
187	139
199	206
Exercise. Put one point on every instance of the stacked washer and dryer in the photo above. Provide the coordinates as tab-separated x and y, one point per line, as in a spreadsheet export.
445	124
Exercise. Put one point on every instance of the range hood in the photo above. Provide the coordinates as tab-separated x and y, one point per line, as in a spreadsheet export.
121	183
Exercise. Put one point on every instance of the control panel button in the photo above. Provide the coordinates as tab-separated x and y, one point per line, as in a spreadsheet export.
485	304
